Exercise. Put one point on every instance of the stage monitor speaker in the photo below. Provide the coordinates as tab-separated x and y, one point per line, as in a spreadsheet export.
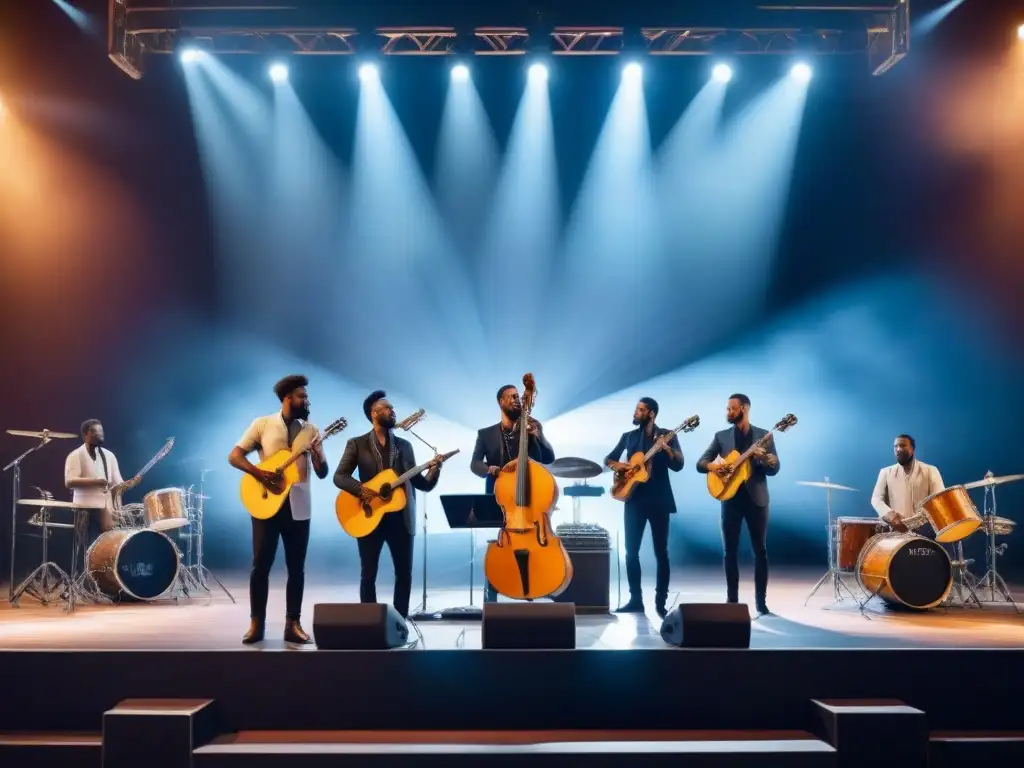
708	625
533	626
358	627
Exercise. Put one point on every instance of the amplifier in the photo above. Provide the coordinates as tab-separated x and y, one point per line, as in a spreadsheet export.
590	587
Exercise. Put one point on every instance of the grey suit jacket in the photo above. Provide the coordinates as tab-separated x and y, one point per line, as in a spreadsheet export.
359	454
757	485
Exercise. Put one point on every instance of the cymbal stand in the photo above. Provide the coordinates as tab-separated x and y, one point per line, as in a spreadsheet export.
992	581
962	578
48	577
15	466
202	573
833	573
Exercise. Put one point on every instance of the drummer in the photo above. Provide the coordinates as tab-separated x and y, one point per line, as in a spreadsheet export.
90	471
904	485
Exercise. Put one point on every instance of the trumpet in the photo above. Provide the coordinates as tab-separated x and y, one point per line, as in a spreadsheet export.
410	422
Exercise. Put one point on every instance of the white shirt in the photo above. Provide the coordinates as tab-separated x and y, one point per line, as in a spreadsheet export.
80	465
896	491
268	435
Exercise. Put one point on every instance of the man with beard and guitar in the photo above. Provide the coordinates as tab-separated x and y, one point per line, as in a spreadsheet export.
497	447
90	473
372	453
905	484
268	435
649	503
750	502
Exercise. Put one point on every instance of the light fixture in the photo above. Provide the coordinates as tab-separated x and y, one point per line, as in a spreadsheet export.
722	73
278	72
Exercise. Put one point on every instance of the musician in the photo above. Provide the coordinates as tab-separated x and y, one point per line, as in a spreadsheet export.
268	435
750	504
649	503
905	484
497	448
372	453
90	472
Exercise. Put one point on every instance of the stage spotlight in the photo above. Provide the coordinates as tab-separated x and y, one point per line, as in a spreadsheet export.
632	72
367	72
801	71
460	73
722	73
538	72
278	73
1020	32
189	55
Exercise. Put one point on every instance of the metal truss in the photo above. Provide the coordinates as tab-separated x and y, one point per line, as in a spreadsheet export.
137	28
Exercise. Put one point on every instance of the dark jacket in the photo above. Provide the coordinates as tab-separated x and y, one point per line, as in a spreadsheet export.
656	494
757	485
359	453
490	452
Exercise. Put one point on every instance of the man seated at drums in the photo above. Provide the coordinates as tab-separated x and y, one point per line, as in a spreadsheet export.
902	487
90	472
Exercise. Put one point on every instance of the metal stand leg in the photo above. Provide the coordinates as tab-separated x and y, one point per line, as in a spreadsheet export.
422	612
83	586
833	573
992	581
962	579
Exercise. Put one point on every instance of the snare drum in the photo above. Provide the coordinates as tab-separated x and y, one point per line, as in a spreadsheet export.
141	564
852	533
164	509
952	514
905	569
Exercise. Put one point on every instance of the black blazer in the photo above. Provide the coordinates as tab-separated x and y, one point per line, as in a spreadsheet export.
757	485
656	494
359	453
490	452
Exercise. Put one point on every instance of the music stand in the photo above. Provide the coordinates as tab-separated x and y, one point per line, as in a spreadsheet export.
470	511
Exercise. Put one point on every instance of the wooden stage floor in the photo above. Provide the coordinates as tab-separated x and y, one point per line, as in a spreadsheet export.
215	623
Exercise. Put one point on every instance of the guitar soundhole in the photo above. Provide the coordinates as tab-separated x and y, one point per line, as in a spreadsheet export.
385	492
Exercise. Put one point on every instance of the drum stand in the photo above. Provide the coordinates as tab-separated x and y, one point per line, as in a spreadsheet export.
833	573
962	578
198	574
992	581
48	577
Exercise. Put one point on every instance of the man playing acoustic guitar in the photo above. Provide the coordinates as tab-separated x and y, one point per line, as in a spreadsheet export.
268	435
750	503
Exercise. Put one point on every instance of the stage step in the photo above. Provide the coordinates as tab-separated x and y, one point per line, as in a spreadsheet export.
40	750
506	748
992	748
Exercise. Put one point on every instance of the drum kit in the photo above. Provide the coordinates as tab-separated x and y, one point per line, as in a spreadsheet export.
154	551
904	568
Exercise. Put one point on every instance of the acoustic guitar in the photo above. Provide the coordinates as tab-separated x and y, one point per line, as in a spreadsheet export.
640	463
527	561
360	518
263	502
723	487
114	497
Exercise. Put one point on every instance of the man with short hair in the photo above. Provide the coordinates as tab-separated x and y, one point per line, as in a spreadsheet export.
268	435
90	472
902	486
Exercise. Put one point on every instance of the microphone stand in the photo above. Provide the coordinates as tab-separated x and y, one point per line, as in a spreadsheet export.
15	494
422	613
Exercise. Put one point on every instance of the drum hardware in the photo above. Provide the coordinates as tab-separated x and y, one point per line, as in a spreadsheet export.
951	513
992	581
44	437
48	578
962	579
833	573
197	571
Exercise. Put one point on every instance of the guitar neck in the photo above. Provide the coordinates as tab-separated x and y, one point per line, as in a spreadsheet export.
407	476
760	443
149	465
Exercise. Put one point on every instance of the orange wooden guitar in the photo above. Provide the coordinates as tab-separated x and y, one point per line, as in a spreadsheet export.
527	561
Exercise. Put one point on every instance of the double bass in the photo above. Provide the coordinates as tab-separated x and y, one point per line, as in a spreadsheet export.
527	560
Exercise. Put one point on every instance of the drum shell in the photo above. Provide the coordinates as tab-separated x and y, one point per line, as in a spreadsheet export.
876	573
952	514
852	533
164	509
104	563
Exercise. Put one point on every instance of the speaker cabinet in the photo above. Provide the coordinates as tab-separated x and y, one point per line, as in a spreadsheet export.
590	588
708	625
358	627
533	626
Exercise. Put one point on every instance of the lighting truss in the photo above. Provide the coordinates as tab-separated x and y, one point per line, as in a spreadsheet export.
137	28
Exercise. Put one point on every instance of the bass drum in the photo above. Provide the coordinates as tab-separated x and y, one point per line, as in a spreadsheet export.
905	569
141	564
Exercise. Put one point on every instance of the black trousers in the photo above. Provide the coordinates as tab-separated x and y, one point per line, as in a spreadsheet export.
265	533
636	520
391	531
735	511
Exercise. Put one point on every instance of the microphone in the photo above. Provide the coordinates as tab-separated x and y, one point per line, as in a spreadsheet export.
410	422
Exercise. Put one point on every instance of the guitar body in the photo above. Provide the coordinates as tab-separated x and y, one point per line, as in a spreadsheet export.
261	502
723	490
543	496
627	481
519	566
360	518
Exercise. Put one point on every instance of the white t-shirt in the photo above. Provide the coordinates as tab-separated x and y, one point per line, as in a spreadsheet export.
268	435
79	465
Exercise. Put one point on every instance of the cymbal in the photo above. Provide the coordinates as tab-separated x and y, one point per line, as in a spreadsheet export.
990	481
40	435
48	503
830	486
1000	526
572	468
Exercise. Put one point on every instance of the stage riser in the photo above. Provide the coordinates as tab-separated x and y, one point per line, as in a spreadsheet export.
480	690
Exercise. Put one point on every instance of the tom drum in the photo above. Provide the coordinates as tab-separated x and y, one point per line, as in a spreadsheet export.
142	564
952	514
905	569
164	509
852	533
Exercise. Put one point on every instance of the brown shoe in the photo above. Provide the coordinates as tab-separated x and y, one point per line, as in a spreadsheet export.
255	633
295	634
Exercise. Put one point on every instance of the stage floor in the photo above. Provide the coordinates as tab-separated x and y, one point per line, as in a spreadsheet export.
215	623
